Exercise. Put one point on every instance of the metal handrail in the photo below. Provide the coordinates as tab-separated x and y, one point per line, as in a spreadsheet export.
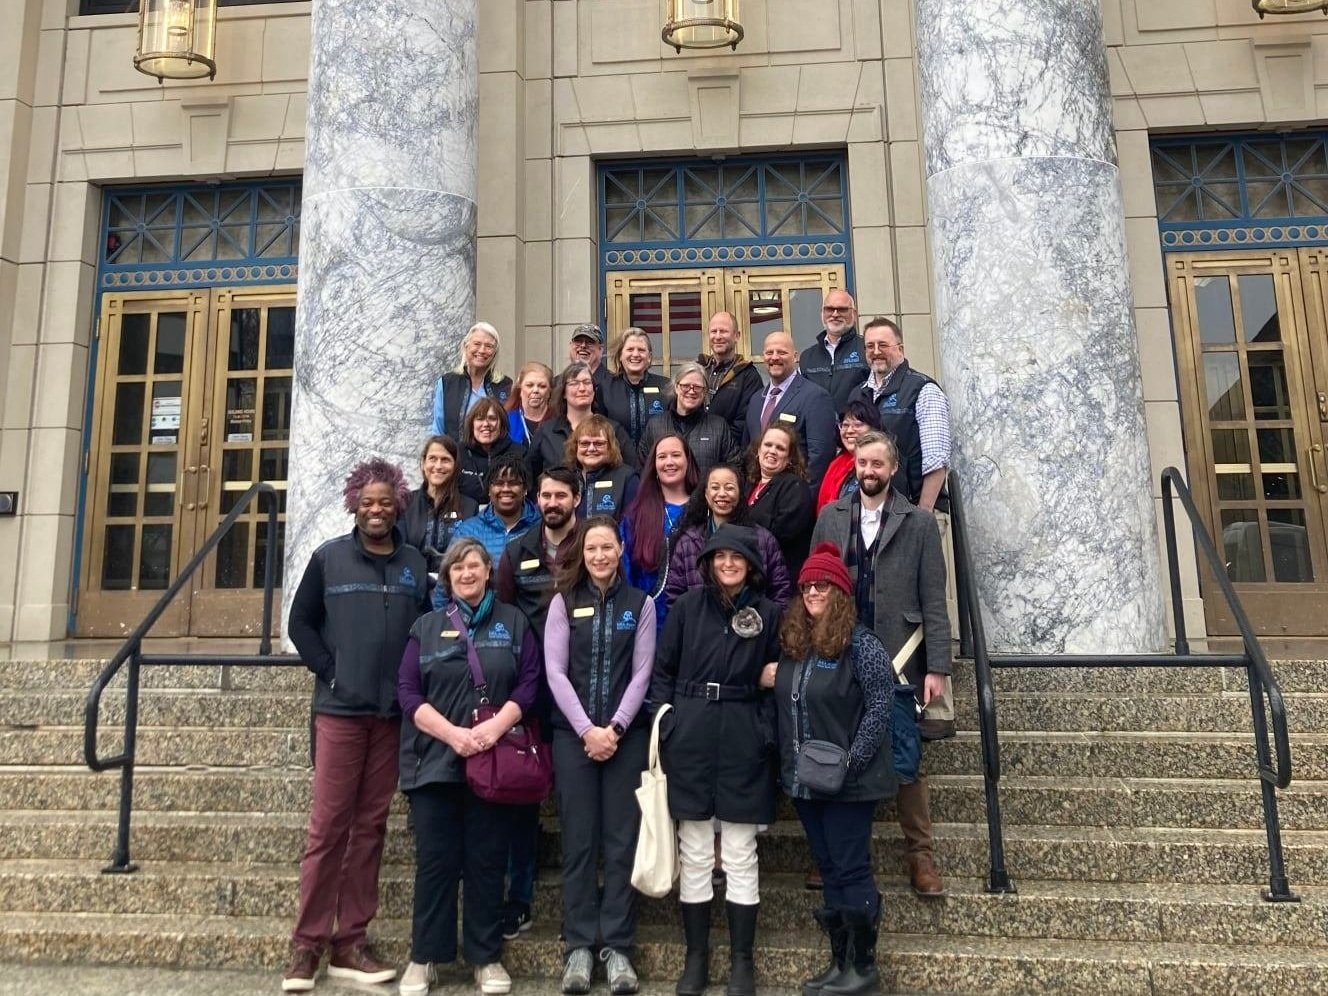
131	652
1262	683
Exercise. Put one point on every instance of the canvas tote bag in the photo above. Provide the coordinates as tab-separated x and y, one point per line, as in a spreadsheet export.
655	867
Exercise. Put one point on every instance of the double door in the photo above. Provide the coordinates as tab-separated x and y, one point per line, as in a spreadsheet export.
192	405
1252	347
675	306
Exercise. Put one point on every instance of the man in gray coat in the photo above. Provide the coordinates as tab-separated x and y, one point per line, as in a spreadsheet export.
893	553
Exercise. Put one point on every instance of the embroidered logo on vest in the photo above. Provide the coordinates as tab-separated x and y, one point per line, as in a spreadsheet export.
407	577
853	357
606	504
627	621
499	632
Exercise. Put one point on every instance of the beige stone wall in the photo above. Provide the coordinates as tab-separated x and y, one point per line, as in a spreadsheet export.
563	82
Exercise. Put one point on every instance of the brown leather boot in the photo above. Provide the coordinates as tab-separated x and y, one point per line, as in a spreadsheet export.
914	806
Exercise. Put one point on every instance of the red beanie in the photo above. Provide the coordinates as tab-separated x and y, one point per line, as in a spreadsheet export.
825	564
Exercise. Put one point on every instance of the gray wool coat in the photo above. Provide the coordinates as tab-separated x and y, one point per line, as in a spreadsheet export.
910	579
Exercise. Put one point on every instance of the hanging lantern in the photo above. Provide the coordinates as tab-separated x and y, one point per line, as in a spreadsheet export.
177	39
1262	7
703	24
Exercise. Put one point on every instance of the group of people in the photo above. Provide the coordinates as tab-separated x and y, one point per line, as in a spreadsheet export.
583	550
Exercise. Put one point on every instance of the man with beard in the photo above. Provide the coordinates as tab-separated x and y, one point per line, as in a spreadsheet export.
350	620
587	346
892	550
836	361
731	378
526	579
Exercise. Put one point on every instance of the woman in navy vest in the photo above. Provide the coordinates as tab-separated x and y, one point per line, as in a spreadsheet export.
718	743
599	645
456	832
608	485
834	684
437	505
455	393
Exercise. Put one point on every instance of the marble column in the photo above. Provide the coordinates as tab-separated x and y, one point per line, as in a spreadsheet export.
387	244
1035	318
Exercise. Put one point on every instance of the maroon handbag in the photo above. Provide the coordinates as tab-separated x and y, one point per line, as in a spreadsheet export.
517	770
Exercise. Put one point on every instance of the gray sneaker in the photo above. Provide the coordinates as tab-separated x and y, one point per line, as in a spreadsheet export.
622	976
577	972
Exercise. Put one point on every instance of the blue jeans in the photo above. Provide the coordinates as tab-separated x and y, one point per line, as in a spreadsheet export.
839	834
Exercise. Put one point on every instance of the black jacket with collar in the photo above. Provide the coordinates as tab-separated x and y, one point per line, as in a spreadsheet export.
729	398
708	437
785	507
841	376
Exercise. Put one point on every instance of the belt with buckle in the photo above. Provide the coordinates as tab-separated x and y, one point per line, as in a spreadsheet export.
713	691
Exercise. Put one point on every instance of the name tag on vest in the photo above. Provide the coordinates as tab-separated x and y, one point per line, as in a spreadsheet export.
584	613
786	417
649	390
450	634
603	484
529	565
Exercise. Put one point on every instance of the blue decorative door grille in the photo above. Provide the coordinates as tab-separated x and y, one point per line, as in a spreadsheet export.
741	212
218	235
1250	190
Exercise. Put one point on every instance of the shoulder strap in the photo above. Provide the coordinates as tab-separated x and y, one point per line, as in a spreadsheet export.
906	651
653	761
476	672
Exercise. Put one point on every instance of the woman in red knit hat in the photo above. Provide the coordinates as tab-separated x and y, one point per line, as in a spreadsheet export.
833	688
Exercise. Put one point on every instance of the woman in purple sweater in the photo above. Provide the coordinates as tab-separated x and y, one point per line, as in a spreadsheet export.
599	644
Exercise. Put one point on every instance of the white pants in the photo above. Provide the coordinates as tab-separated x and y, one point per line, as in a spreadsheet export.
696	854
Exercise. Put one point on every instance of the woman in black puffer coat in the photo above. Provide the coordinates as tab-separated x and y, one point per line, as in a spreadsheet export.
709	436
718	744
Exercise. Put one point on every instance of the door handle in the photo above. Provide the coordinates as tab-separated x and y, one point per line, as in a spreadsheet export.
1323	406
180	488
206	487
1316	451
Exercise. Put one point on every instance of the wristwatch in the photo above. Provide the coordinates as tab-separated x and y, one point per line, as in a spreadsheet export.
618	728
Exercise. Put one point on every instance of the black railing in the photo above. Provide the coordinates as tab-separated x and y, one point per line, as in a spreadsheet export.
1264	690
131	653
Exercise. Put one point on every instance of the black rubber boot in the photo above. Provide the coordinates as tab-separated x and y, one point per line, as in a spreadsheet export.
742	939
696	931
832	923
860	977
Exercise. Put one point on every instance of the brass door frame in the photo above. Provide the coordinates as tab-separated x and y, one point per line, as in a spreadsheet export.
204	609
111	612
1275	608
722	289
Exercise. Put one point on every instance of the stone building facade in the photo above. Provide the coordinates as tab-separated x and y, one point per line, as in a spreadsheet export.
569	91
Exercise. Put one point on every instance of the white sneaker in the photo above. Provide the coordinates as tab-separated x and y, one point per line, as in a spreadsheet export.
417	978
493	979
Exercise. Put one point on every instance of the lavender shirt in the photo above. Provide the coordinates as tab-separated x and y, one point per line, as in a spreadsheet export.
557	636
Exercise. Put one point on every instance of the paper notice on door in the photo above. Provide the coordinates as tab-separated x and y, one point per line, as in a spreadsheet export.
165	415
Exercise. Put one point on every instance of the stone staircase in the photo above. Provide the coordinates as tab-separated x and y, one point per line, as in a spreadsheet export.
1133	832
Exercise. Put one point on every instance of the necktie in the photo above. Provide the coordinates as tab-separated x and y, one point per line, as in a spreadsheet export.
768	409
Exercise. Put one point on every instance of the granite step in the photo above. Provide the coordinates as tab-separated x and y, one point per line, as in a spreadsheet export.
1073	754
78	675
1044	852
1041	711
1200	914
919	963
1043	800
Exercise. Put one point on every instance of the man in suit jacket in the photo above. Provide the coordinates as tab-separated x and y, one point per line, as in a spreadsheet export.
892	550
794	400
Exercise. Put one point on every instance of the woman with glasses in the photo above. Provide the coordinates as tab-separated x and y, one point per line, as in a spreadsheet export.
668	479
707	435
456	393
485	438
719	502
834	684
573	399
778	496
633	395
858	417
528	406
607	484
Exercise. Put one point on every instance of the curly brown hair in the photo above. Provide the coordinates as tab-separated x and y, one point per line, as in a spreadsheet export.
829	636
797	464
593	425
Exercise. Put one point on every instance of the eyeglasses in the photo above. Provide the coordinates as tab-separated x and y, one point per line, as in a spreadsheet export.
815	587
592	444
881	347
831	309
691	388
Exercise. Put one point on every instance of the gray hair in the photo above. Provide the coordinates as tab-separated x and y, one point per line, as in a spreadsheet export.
483	328
689	367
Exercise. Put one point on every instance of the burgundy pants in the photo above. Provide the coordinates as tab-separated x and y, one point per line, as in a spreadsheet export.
355	776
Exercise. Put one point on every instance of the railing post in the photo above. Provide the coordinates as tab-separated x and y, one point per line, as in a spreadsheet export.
120	863
269	571
1279	889
1173	564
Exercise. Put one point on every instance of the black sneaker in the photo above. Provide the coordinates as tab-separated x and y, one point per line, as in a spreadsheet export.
516	921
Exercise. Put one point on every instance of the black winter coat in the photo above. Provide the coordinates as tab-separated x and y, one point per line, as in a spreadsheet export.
719	755
708	437
474	465
549	447
785	507
633	405
729	398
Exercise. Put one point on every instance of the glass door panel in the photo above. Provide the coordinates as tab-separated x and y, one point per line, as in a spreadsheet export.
143	462
1243	336
251	376
672	306
781	298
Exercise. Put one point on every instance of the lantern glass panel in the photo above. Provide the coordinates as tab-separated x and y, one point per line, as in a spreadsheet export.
177	38
703	24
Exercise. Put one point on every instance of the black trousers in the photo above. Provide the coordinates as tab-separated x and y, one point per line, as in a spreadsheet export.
456	834
600	818
839	834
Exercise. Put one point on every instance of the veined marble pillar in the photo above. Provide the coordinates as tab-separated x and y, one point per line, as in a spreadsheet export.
387	244
1034	310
